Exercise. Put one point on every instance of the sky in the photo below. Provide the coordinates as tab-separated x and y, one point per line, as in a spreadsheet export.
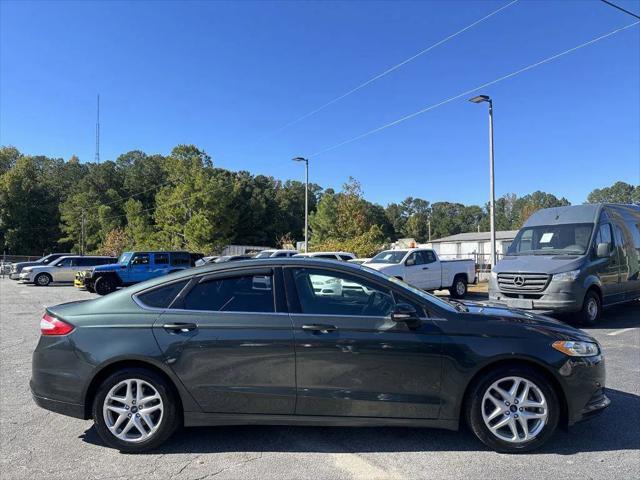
228	76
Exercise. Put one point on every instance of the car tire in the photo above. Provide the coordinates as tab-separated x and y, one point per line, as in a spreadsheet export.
459	287
591	309
104	285
480	408
42	279
165	419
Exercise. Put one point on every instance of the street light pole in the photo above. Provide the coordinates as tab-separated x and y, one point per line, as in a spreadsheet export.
492	194
306	201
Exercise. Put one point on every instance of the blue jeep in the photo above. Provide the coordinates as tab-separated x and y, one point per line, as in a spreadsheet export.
134	267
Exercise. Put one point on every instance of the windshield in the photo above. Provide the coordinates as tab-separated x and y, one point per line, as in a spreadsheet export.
421	293
125	257
568	239
47	259
264	254
389	256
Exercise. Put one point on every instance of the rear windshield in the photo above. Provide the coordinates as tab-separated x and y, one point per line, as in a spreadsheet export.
568	239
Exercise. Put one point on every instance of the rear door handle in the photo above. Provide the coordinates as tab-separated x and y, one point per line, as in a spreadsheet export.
182	327
319	327
425	268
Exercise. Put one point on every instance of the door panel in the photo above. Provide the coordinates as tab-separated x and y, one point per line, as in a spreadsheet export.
608	270
232	361
361	364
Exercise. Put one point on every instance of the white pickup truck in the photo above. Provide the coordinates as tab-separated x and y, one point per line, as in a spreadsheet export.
422	268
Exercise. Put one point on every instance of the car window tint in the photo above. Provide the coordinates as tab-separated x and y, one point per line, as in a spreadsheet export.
180	258
417	256
325	292
162	297
246	293
66	262
346	258
419	308
330	256
161	258
604	235
140	259
428	256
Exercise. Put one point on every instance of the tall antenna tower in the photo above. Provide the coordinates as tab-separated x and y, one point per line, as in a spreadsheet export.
97	157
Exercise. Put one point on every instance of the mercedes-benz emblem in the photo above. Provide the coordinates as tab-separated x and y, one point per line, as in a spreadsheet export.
518	281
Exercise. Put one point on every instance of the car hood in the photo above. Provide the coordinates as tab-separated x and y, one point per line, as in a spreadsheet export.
20	265
33	268
539	263
382	266
512	317
109	267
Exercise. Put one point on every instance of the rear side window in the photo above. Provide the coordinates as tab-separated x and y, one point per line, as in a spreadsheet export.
180	259
246	293
161	258
345	258
162	296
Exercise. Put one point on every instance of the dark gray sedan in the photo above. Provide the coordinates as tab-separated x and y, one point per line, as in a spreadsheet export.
258	342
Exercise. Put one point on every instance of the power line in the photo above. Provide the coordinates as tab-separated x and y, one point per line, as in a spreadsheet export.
467	92
621	9
393	68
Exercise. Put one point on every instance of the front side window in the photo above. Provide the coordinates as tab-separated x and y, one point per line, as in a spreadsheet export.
64	262
604	236
140	259
428	256
161	297
124	258
245	293
326	292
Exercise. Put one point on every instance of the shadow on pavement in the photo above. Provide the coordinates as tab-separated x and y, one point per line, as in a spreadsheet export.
615	429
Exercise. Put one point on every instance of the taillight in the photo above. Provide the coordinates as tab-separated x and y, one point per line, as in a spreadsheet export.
50	325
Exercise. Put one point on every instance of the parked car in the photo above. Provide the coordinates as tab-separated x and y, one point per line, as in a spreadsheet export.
343	256
251	342
232	258
205	260
575	259
135	267
274	253
16	268
422	268
61	270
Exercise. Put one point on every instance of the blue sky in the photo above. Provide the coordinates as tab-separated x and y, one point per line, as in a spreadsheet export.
227	75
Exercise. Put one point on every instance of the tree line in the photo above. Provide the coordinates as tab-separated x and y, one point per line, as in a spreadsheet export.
182	201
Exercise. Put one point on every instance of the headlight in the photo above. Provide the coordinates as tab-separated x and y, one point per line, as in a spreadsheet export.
576	349
566	276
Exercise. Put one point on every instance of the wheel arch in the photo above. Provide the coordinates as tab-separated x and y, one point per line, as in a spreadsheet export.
515	362
111	274
118	365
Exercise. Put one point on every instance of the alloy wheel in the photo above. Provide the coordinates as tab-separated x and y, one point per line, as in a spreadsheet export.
133	410
514	409
461	288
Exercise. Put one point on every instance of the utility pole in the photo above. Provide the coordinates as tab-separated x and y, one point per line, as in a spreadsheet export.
97	157
306	202
82	232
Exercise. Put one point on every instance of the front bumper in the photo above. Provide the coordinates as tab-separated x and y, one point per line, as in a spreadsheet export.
14	276
584	386
558	297
26	277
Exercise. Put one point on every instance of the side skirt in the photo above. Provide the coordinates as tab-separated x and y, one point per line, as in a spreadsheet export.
200	419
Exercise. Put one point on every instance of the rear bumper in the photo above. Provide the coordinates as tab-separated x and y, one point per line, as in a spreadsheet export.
70	409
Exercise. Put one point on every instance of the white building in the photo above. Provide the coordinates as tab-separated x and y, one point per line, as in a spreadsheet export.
475	245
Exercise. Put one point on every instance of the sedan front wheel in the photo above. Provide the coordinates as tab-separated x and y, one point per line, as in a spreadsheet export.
513	409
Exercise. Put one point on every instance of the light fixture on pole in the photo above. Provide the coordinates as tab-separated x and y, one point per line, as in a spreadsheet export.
306	201
492	195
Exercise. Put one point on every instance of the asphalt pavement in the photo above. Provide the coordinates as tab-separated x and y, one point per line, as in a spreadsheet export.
37	444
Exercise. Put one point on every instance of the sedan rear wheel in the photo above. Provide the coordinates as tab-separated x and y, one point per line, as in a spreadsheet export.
135	410
513	409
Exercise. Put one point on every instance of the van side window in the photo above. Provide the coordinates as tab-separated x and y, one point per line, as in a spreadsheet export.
161	258
604	235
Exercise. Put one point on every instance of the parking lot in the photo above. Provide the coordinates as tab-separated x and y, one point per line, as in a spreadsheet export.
37	444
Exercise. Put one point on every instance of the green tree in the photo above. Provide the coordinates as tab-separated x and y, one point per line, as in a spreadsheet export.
619	192
322	222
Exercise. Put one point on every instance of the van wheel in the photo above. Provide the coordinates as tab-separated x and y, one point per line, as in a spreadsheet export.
104	285
591	308
42	279
459	287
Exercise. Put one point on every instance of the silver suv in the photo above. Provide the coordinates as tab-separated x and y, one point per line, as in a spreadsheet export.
62	270
16	268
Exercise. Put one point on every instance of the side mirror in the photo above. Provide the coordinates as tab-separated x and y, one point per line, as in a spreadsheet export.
411	261
602	250
405	313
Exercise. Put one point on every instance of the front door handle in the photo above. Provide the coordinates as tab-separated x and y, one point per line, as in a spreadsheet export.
319	327
425	268
182	327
